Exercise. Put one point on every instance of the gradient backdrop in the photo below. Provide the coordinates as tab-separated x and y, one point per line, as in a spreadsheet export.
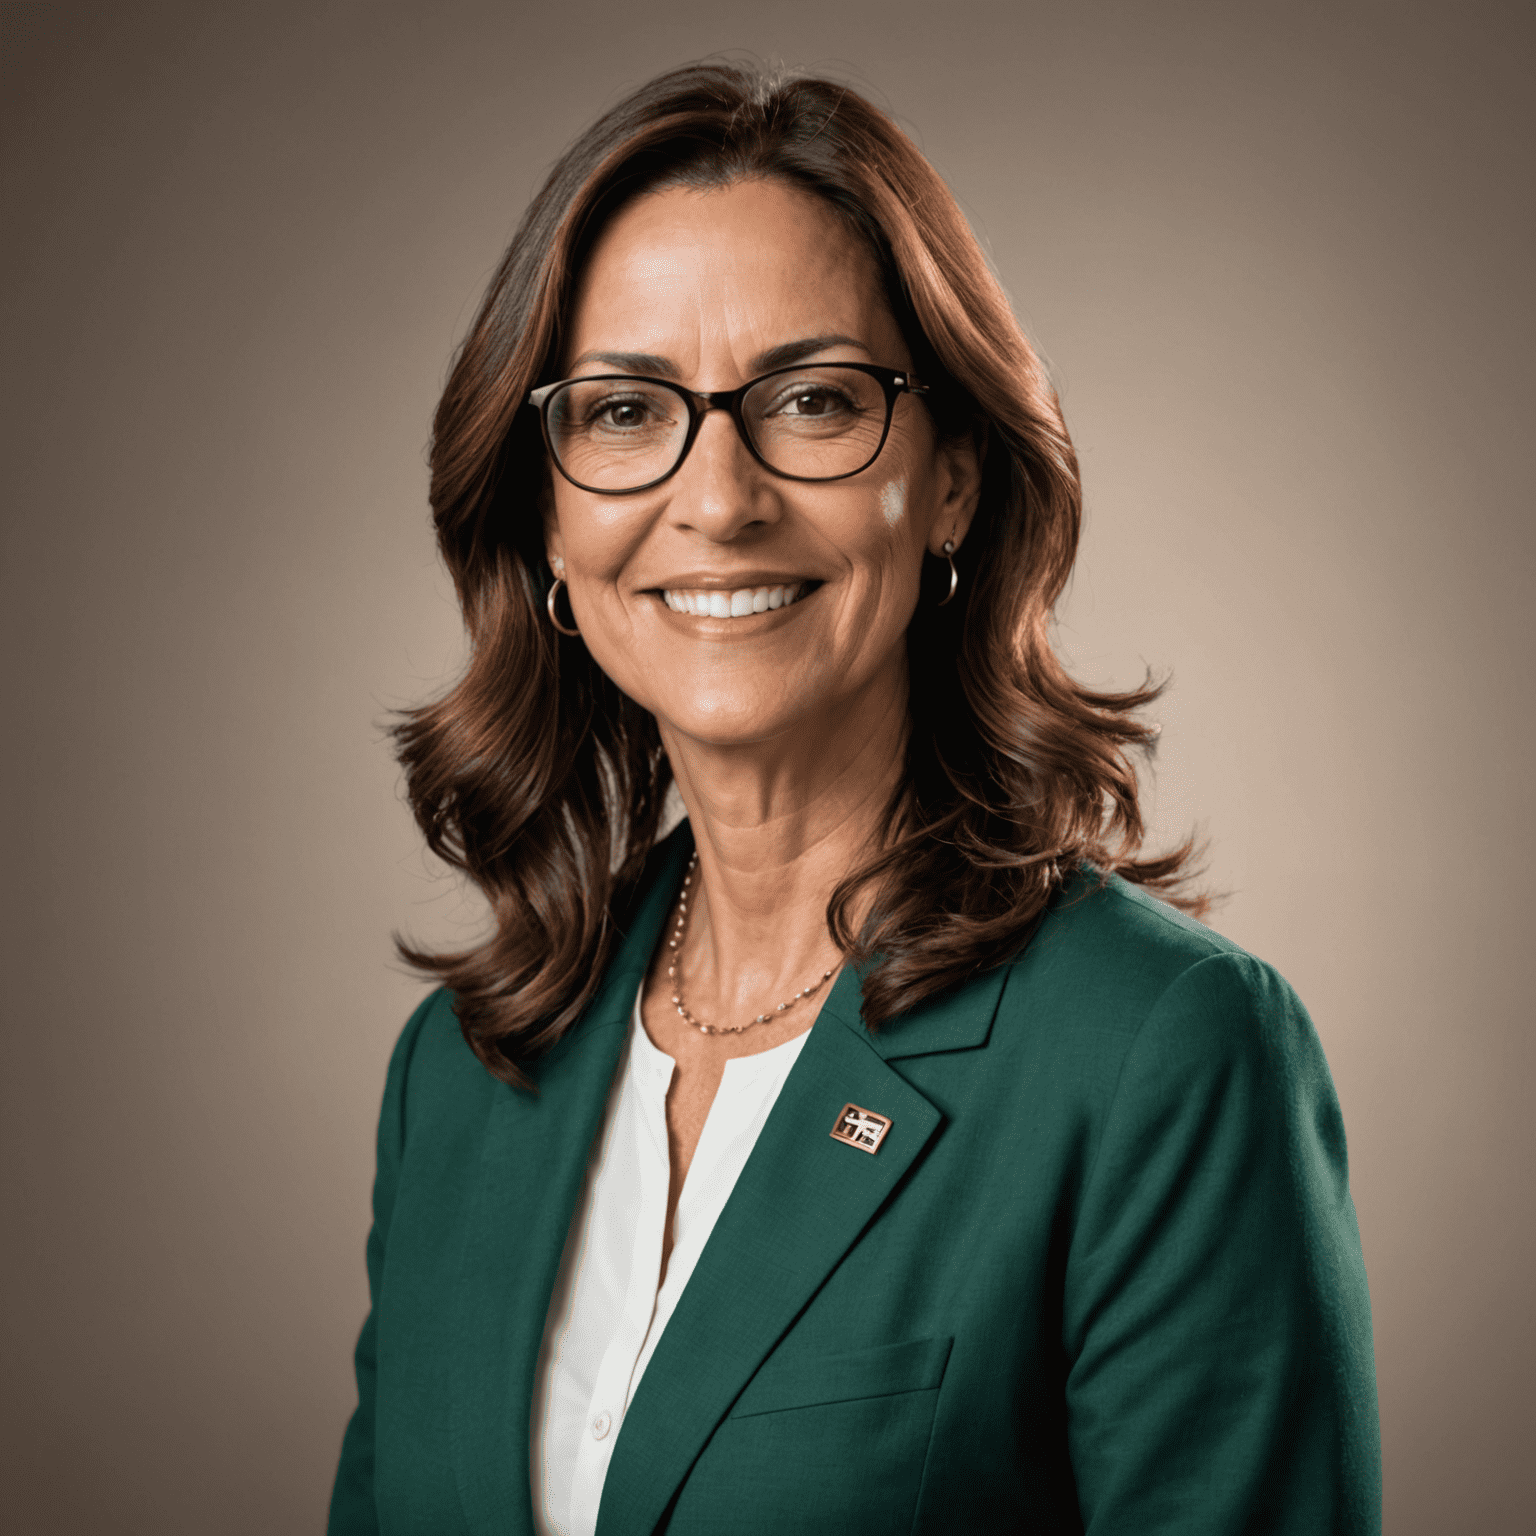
1279	260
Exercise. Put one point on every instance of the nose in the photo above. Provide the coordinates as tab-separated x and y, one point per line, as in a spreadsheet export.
720	490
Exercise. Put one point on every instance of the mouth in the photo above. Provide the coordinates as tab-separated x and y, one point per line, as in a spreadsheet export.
740	603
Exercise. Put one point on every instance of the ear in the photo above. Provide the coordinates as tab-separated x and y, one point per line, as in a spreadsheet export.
554	542
960	461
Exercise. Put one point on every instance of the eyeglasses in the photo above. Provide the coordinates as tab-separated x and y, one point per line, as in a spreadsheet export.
618	432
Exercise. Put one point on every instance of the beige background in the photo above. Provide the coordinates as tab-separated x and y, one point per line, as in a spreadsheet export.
1279	260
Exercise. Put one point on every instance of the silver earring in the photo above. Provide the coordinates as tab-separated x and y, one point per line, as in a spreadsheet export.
549	604
954	575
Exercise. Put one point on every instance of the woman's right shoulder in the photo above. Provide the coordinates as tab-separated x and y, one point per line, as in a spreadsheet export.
432	1071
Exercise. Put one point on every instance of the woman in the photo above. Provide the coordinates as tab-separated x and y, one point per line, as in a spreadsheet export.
876	1151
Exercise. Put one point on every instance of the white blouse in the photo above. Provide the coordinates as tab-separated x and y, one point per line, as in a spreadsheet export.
606	1313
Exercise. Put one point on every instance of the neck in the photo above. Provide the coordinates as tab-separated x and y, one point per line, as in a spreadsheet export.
777	825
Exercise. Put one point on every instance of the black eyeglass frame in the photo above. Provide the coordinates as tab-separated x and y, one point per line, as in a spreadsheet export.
699	403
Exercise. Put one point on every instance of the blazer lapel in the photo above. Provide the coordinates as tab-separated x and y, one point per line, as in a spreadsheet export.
800	1203
533	1160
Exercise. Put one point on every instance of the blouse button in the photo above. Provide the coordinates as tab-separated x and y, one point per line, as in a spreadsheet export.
601	1425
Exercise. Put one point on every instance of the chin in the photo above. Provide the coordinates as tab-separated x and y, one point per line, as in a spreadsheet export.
727	721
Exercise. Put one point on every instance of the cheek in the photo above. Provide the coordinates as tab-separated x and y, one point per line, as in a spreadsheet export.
893	501
598	535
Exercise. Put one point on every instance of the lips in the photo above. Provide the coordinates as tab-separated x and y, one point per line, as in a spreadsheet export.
715	603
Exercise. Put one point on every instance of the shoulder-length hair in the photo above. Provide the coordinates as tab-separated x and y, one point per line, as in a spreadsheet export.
544	783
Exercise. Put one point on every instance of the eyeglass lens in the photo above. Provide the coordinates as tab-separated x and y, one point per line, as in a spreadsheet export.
815	423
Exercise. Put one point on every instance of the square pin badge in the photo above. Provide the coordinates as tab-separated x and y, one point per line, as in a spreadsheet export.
861	1128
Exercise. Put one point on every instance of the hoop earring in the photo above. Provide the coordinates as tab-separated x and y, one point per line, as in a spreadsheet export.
954	575
549	604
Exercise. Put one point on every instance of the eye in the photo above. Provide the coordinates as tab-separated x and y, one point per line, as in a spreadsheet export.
817	400
623	413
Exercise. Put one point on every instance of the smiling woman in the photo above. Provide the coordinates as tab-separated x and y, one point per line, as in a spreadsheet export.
1037	1216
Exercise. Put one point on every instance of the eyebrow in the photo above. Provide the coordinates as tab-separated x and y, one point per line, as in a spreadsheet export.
630	362
793	352
784	356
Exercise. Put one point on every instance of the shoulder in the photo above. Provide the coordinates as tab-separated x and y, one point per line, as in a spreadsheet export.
1182	1069
1114	950
1104	925
1114	974
432	1071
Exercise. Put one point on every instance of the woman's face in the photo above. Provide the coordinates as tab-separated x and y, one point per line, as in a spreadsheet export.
711	289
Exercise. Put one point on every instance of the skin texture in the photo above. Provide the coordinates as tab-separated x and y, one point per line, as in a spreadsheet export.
785	729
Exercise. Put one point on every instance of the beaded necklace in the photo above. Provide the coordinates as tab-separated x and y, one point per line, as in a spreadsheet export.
675	944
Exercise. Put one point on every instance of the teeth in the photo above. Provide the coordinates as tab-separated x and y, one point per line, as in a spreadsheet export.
715	604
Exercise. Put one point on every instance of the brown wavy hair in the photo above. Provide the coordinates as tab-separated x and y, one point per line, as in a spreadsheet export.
545	784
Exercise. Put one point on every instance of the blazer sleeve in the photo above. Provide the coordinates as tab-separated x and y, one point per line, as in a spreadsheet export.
352	1510
1217	1325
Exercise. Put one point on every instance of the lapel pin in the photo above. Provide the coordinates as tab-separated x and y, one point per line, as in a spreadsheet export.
861	1128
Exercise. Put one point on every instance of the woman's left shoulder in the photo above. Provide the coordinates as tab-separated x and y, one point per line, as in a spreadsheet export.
1213	1278
1111	965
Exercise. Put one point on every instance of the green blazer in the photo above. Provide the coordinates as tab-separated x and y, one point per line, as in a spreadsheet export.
1102	1273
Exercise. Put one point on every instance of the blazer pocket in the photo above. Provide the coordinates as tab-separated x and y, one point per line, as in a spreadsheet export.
884	1371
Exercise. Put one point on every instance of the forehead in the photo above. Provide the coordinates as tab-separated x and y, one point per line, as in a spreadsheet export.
687	275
